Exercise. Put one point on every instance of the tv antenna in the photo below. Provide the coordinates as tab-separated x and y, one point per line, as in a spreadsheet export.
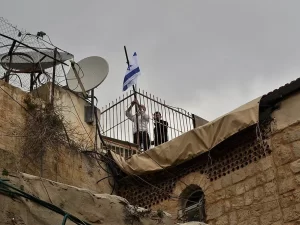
28	61
85	76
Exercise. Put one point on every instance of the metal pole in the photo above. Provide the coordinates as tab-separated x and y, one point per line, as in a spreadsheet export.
53	77
136	108
6	79
92	104
31	81
78	79
98	129
194	121
92	115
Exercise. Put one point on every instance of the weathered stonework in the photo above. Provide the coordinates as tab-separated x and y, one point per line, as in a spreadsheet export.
264	191
63	165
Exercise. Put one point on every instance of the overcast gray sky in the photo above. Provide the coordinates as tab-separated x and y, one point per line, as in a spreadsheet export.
208	57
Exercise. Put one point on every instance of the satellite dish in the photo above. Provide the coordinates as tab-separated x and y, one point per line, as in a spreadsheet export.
91	71
31	61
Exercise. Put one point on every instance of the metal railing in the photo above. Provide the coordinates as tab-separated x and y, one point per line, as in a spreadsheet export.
116	126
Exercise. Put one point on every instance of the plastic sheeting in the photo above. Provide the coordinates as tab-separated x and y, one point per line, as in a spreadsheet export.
191	143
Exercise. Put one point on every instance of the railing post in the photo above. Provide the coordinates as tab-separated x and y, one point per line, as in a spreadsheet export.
136	118
194	120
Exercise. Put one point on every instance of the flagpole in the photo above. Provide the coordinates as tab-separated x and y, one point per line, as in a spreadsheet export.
136	108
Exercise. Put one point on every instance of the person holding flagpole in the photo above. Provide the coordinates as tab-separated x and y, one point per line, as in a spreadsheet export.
141	119
132	73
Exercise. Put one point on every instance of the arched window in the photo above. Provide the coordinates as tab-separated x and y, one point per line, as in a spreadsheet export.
193	204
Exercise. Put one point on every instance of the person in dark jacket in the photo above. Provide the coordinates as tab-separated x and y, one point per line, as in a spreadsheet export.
160	130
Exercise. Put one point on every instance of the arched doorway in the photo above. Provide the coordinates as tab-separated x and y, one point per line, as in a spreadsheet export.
193	204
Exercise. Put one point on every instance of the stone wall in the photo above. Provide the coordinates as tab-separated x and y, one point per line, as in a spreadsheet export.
62	165
72	108
88	206
264	192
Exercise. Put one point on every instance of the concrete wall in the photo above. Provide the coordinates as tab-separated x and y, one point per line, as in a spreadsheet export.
62	165
72	108
265	192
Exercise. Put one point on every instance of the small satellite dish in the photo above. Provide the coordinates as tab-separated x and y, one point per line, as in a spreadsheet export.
31	61
91	71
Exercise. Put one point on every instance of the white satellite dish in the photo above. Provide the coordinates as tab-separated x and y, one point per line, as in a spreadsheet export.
91	72
32	61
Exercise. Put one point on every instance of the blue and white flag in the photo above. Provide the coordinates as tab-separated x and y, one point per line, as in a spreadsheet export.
132	73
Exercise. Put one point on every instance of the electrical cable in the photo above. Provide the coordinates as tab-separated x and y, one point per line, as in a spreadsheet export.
12	191
88	134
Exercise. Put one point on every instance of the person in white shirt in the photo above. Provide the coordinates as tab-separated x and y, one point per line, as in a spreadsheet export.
143	120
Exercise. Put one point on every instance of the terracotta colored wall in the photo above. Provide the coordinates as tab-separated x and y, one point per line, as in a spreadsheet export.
265	192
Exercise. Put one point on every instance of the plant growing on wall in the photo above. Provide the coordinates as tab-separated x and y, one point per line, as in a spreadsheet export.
46	130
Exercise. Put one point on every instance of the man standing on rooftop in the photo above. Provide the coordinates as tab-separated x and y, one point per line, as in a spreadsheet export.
143	120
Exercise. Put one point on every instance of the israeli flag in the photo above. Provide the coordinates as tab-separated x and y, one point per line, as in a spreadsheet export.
132	73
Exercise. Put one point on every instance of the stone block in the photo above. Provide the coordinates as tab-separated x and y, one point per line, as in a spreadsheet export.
259	193
244	223
297	179
220	194
249	197
290	213
250	183
284	171
238	201
265	163
282	155
256	209
295	166
238	176
189	179
233	218
276	215
278	223
223	220
296	149
269	174
270	188
210	198
226	180
286	201
215	210
270	203
227	206
253	221
290	193
261	179
251	169
243	214
231	191
215	196
202	181
291	136
240	188
209	189
287	184
217	185
266	218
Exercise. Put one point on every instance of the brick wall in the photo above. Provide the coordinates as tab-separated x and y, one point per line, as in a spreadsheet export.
264	192
62	165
